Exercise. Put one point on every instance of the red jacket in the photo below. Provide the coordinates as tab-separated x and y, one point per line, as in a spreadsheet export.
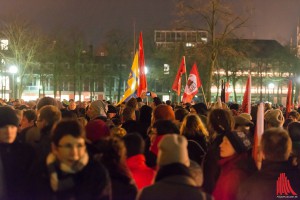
230	178
142	174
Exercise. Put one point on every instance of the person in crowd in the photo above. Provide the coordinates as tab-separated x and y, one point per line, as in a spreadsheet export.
199	108
276	147
163	112
220	121
72	105
132	103
294	133
112	154
48	115
136	162
46	101
15	158
294	115
82	108
174	179
69	172
197	135
236	164
29	131
145	120
129	122
273	119
96	130
180	113
158	130
118	132
97	110
112	112
243	124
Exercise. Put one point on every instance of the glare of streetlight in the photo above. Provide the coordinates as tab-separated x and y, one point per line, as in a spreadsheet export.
271	86
13	69
146	70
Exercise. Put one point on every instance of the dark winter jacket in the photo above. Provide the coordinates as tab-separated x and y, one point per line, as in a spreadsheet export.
16	161
263	184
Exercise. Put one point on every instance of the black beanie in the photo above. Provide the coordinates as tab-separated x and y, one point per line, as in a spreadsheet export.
239	140
8	117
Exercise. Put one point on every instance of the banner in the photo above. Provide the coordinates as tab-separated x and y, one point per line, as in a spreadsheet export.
142	79
177	82
132	80
191	88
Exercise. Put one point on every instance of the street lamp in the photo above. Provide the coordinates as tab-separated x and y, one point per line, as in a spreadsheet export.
271	86
13	70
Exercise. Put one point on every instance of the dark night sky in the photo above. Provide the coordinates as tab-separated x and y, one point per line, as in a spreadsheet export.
271	19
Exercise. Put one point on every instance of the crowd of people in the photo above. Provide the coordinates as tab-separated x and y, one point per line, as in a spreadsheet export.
53	149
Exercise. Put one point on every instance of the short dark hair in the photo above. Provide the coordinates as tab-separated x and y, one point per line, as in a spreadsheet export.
276	144
134	144
165	127
30	115
180	114
46	101
66	127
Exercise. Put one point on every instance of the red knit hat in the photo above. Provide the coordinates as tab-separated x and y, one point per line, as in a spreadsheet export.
164	111
96	130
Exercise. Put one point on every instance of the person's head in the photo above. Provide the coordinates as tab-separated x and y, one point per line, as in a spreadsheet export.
273	119
220	121
242	124
192	126
294	115
168	102
72	104
68	143
128	114
180	114
132	103
48	115
112	111
118	132
234	142
28	119
46	101
164	112
134	144
162	127
96	130
145	114
113	154
199	108
276	144
173	149
9	124
97	108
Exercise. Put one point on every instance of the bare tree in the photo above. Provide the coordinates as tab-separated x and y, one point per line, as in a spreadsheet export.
24	41
219	20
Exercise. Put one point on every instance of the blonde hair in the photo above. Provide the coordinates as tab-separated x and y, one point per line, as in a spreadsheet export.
118	131
192	125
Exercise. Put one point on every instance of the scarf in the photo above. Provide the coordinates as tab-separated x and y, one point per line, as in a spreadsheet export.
68	182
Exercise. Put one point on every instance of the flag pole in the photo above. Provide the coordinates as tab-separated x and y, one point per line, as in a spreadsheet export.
204	96
185	70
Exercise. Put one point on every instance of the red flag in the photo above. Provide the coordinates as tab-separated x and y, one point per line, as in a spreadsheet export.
289	99
259	129
142	83
177	82
246	105
191	88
